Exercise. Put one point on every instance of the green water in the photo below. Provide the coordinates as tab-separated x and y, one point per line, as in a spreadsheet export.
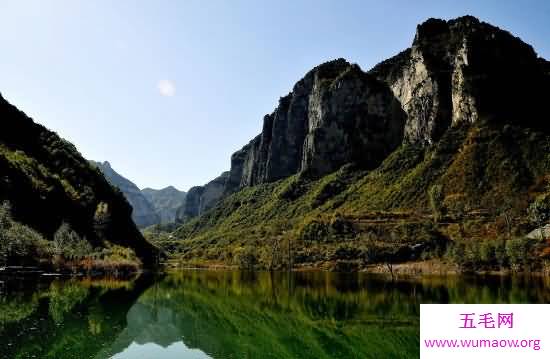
200	314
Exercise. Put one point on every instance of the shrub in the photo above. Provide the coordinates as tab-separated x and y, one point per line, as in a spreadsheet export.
245	257
19	242
500	253
472	255
293	189
539	211
435	197
315	230
517	254
69	244
518	251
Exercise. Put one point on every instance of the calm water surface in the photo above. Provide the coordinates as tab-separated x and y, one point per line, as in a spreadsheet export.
201	314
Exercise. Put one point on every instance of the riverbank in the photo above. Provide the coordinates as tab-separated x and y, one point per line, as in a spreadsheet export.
89	268
416	268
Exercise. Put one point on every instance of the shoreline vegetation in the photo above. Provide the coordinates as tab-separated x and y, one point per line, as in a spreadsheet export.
407	269
24	250
448	241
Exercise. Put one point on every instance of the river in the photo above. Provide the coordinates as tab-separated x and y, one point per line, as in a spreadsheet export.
215	314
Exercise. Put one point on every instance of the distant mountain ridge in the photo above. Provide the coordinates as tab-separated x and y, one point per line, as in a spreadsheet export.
150	206
143	212
165	201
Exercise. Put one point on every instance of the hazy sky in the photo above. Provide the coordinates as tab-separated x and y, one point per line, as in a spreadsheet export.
168	90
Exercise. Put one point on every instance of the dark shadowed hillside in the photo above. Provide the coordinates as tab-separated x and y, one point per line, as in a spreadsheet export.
47	182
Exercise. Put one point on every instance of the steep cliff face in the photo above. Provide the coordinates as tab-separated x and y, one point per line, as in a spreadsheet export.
461	70
165	201
199	199
212	192
48	182
335	115
190	207
464	70
353	118
143	212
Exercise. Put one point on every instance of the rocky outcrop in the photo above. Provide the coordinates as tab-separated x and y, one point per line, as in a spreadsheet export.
335	115
48	182
165	201
464	70
191	205
212	192
201	198
353	118
143	212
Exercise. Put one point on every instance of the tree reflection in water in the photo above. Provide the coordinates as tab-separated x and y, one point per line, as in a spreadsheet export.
201	314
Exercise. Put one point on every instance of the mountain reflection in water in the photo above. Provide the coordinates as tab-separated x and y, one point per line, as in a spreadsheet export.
203	314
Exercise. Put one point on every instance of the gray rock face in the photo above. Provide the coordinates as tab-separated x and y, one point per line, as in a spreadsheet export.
212	192
190	207
165	201
353	118
335	115
464	70
143	212
201	198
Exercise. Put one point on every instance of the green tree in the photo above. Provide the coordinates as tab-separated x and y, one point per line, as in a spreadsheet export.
67	243
102	219
245	257
539	212
5	215
457	254
435	197
517	252
457	206
506	210
500	253
17	241
487	251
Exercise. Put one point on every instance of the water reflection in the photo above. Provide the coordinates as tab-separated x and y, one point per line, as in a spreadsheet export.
200	314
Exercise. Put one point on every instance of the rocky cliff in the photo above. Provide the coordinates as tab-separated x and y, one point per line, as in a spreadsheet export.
48	182
165	201
456	71
464	70
335	115
199	199
143	212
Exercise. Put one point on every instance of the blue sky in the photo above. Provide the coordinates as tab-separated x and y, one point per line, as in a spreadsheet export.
167	90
